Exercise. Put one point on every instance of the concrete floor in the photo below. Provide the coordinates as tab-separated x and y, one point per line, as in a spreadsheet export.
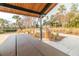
26	46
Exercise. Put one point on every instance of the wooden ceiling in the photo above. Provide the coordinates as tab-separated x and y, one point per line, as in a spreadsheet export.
28	9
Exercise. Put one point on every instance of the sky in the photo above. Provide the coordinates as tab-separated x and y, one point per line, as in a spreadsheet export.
8	16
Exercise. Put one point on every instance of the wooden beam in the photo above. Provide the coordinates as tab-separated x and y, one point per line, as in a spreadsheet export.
19	8
46	7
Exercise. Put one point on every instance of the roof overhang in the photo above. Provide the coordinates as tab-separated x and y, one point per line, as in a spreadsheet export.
28	9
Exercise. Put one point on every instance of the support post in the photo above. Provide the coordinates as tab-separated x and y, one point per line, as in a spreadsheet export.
40	19
40	29
16	45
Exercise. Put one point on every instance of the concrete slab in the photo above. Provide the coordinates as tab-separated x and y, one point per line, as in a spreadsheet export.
27	46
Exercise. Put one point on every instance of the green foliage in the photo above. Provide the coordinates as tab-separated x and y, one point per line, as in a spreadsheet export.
74	22
2	23
61	8
74	7
18	21
16	17
1	20
1	31
52	22
35	24
4	26
71	18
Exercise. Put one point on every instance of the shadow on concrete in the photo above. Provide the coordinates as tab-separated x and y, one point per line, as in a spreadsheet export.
7	48
28	46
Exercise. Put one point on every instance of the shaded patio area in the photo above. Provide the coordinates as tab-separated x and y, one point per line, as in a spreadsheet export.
27	46
35	40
